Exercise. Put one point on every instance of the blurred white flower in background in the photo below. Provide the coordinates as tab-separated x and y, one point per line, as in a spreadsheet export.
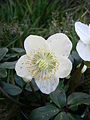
83	46
45	61
84	69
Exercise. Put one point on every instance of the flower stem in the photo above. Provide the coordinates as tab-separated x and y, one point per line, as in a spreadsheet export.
31	85
33	90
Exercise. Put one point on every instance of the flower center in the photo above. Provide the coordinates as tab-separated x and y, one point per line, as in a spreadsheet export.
44	61
43	64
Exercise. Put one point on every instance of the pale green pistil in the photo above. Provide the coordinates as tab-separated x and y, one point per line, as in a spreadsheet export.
42	64
45	61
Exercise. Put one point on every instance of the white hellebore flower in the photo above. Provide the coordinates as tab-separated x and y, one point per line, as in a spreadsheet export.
83	46
45	61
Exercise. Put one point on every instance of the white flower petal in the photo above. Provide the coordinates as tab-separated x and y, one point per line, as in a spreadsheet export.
27	80
65	67
83	31
47	86
83	50
21	68
60	44
34	42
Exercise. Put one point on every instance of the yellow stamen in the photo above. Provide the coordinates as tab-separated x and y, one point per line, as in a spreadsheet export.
43	60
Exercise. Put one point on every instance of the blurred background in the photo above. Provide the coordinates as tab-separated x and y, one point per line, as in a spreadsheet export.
20	18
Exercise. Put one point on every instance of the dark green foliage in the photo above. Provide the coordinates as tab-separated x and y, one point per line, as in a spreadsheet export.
78	98
3	52
44	113
65	107
3	73
8	65
19	81
11	89
62	116
59	97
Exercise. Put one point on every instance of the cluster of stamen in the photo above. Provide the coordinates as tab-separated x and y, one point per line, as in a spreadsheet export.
42	64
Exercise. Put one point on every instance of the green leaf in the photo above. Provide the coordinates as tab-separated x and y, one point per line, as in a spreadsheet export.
78	98
67	116
10	56
3	52
73	117
11	89
62	116
8	65
74	107
19	81
62	86
44	113
59	97
3	73
18	50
